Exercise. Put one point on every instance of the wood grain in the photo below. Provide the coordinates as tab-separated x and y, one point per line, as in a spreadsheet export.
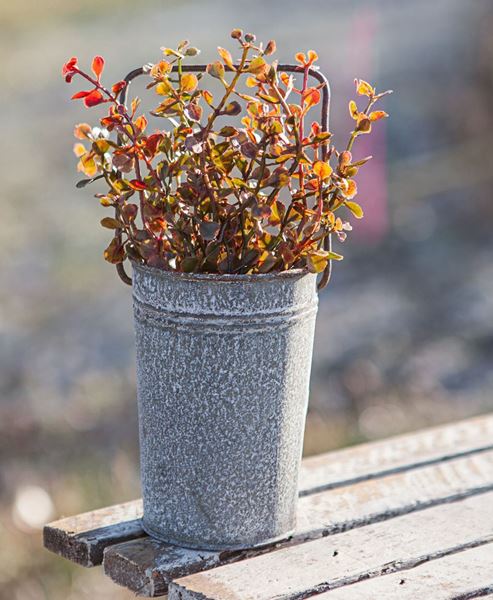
314	567
460	576
147	566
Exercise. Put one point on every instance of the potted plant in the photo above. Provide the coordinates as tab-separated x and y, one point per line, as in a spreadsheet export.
226	212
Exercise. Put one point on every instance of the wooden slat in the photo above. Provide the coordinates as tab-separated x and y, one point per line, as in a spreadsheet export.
314	567
460	576
404	452
83	538
76	538
148	566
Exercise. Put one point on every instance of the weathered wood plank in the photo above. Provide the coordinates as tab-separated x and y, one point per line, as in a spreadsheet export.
461	576
372	460
306	569
76	538
152	565
83	538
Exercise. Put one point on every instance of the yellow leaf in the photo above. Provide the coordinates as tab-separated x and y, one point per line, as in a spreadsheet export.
353	109
79	150
257	66
101	145
322	169
376	115
226	56
251	82
363	88
87	165
164	88
355	208
317	261
189	82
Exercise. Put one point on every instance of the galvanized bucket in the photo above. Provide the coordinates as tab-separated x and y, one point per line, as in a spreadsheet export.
223	368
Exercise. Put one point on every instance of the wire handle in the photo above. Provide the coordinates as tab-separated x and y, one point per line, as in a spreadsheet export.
325	113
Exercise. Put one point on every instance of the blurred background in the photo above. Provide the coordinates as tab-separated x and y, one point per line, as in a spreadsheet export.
405	330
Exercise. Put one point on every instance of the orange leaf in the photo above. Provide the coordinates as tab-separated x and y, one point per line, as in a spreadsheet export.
350	189
97	66
311	97
79	95
82	131
118	86
208	97
312	57
322	169
376	115
300	57
141	123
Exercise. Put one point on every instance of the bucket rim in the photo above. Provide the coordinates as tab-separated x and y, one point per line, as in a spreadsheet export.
222	277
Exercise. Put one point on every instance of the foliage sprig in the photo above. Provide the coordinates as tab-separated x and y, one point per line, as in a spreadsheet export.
244	183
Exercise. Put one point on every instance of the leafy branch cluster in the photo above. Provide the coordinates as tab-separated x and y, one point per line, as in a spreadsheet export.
235	184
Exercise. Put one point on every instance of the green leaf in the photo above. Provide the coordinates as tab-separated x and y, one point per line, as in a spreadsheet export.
355	208
228	131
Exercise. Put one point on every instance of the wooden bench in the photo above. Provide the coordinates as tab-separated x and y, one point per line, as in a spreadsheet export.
409	518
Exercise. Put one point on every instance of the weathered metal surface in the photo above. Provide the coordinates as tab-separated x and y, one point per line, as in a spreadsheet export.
325	513
223	366
460	576
83	538
307	569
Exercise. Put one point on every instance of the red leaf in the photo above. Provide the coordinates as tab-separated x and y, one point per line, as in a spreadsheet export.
69	66
94	98
137	185
97	65
118	87
80	95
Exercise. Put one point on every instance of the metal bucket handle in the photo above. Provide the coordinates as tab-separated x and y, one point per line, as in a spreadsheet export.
325	112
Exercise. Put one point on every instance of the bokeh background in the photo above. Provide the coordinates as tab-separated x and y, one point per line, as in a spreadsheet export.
405	331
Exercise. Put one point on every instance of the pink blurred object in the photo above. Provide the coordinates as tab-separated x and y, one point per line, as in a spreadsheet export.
373	179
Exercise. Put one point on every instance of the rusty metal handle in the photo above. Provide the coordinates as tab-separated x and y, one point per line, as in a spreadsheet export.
324	121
